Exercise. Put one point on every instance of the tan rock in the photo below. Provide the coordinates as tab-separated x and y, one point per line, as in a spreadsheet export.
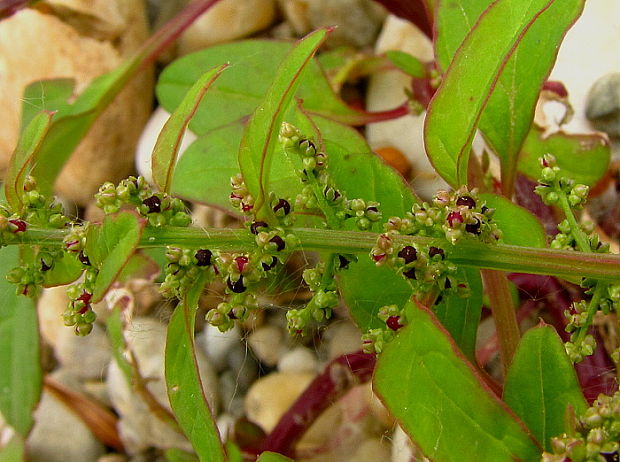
342	337
50	308
267	343
271	396
226	21
35	46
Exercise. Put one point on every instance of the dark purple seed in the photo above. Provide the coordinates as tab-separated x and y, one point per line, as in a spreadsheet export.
256	225
466	201
153	203
343	262
393	322
20	226
438	300
204	257
267	267
279	242
484	209
473	228
231	315
447	284
83	258
410	274
408	253
284	205
611	456
432	251
45	266
237	286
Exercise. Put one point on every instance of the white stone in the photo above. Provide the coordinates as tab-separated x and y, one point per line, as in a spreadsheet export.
85	357
217	345
342	337
386	91
226	21
59	435
148	138
50	308
139	428
267	343
299	359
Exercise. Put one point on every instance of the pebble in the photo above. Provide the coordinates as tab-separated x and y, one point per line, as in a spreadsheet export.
106	152
271	396
50	308
603	104
86	357
217	345
372	450
342	338
138	427
226	21
267	343
59	435
386	91
401	447
299	359
243	367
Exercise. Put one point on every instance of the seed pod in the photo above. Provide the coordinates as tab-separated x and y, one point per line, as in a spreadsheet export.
454	218
393	322
203	256
408	253
237	286
466	201
153	203
279	242
473	228
282	208
255	226
432	251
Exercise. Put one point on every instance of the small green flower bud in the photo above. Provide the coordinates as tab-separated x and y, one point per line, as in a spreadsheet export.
548	174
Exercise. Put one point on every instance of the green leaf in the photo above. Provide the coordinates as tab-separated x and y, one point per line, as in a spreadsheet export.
469	81
507	118
272	457
407	63
239	91
65	270
518	225
27	150
440	401
109	247
261	134
21	376
13	450
183	381
45	96
584	158
541	383
166	148
461	316
178	455
115	330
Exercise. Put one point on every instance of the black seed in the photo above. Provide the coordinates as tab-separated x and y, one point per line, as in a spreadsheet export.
473	228
204	257
284	205
432	251
410	274
484	209
610	456
408	253
257	224
45	266
83	258
344	262
237	286
447	284
279	242
153	203
231	315
273	263
466	201
372	208
439	299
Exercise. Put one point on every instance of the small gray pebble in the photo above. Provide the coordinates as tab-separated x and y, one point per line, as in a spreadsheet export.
603	104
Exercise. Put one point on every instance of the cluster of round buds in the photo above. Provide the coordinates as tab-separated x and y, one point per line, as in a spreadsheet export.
184	266
75	240
597	435
292	140
466	216
552	183
79	312
40	211
239	270
28	279
375	339
240	197
281	208
577	351
365	213
238	308
565	238
274	242
158	208
319	309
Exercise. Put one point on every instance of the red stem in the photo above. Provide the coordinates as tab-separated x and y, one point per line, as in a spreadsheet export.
339	376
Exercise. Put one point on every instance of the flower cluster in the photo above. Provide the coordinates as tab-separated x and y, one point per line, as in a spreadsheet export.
240	197
160	209
183	268
375	339
597	435
79	313
553	185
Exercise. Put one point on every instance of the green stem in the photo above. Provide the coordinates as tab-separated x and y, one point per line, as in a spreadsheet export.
592	309
471	253
580	237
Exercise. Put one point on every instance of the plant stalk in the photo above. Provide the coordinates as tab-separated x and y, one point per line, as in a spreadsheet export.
468	252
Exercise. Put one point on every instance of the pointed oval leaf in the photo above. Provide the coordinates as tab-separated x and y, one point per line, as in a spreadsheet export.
470	80
261	134
109	247
183	383
441	403
518	225
166	150
542	383
20	367
273	457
